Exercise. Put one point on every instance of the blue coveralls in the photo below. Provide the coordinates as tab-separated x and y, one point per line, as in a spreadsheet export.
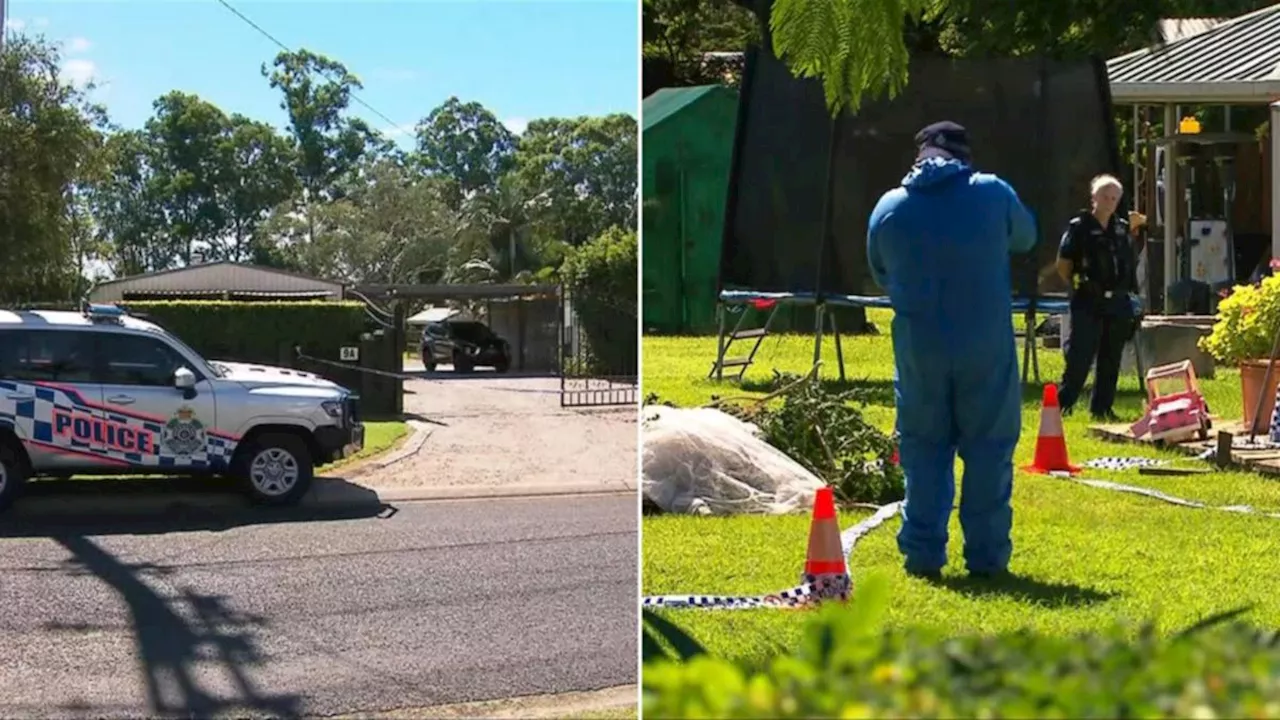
940	246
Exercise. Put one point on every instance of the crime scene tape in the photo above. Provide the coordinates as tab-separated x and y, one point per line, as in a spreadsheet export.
1156	494
811	593
348	366
807	594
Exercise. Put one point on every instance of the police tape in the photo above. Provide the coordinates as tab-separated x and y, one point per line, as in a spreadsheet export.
813	591
810	593
1165	497
348	366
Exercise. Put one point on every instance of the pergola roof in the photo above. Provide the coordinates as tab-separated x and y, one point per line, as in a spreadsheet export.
1235	62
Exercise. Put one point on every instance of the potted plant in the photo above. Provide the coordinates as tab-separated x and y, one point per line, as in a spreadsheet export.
1242	335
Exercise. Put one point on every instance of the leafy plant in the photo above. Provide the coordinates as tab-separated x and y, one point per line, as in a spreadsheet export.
855	47
847	666
602	277
825	431
1246	324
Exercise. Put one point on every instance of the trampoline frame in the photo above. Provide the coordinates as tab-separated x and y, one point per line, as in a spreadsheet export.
1029	308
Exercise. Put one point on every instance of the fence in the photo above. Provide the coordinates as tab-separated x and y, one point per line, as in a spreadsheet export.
599	352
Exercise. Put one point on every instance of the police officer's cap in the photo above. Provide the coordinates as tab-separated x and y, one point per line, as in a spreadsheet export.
947	136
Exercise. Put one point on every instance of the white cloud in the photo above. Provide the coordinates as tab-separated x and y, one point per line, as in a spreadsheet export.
78	45
79	72
15	24
516	125
40	22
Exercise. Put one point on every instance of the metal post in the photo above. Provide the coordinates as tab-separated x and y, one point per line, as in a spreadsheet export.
1137	149
1275	180
4	11
1171	205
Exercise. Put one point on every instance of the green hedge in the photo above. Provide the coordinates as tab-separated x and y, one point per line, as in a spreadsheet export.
601	276
261	332
846	667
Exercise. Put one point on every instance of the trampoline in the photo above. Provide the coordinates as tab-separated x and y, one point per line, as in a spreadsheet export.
1028	307
802	184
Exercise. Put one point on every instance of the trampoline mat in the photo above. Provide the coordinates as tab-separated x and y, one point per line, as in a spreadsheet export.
1046	306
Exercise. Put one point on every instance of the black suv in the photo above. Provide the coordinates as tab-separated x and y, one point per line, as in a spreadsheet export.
465	343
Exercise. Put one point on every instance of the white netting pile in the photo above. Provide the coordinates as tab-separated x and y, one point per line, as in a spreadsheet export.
705	462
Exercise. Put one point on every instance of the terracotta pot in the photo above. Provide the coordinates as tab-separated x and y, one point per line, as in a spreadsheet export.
1252	373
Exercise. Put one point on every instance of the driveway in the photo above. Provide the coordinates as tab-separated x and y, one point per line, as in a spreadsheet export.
506	431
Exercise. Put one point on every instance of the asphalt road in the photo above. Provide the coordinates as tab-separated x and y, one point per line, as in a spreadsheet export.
265	615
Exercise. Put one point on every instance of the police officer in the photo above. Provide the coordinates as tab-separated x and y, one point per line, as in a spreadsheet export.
1096	258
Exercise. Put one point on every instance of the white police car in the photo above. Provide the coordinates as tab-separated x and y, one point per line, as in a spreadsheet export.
101	392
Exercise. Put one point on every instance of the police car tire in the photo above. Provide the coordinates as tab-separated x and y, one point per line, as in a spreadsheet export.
13	477
291	444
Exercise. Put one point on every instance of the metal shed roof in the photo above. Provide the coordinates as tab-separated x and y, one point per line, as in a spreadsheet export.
216	278
668	102
1174	29
1235	62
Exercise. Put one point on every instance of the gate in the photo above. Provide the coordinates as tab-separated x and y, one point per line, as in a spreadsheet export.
599	352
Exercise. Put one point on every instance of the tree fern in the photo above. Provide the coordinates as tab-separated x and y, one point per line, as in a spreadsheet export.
855	47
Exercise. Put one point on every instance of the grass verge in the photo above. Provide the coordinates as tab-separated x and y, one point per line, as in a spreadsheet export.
379	436
1086	557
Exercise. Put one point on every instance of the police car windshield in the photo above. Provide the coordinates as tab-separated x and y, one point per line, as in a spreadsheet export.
211	368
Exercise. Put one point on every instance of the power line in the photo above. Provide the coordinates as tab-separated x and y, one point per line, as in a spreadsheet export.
287	49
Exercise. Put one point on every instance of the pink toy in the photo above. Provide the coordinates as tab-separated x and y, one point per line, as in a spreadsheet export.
1176	410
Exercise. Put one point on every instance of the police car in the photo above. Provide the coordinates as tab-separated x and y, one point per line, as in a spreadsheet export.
102	392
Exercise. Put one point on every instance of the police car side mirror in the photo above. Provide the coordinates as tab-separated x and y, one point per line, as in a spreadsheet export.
184	379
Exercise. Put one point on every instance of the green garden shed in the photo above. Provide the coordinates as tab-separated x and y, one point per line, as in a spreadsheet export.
688	149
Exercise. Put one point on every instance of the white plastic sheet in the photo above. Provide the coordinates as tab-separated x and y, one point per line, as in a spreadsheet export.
703	461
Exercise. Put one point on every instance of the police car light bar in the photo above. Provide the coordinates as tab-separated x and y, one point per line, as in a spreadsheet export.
97	311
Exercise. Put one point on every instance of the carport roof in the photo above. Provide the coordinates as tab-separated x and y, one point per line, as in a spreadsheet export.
1235	62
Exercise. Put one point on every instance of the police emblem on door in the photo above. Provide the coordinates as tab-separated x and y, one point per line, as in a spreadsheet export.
184	434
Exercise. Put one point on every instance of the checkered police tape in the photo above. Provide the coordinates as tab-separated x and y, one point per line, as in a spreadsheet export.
811	592
1165	497
1123	463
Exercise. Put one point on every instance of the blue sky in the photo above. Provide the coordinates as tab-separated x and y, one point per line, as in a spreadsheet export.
523	59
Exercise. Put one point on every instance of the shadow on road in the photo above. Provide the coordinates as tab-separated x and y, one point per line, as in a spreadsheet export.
170	646
183	515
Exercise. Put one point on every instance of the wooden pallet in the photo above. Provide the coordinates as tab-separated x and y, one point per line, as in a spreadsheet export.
1263	461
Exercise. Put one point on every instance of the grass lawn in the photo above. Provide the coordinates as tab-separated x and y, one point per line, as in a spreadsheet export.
379	436
1085	557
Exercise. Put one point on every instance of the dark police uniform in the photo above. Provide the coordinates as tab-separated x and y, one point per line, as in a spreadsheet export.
1103	317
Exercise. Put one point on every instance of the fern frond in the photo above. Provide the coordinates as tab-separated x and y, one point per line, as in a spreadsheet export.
854	47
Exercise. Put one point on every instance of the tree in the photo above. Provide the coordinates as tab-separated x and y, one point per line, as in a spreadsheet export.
258	175
48	145
126	200
585	171
678	34
187	133
389	227
465	143
317	92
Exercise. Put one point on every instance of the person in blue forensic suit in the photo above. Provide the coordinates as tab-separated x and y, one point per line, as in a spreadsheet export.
940	246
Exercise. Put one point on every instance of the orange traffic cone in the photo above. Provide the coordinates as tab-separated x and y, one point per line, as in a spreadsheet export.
824	567
1051	445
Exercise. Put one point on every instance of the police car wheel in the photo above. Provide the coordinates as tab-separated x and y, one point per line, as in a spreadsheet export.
278	469
11	477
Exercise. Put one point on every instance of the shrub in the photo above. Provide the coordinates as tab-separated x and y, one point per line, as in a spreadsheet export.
262	332
825	431
601	276
846	666
1246	325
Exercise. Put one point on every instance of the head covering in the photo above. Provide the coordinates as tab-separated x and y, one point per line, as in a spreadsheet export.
944	139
